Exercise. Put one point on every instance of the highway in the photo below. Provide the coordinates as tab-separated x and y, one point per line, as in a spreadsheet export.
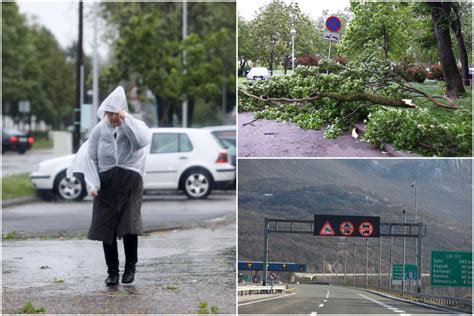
312	299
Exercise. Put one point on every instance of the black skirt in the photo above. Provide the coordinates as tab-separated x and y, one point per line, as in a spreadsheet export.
117	206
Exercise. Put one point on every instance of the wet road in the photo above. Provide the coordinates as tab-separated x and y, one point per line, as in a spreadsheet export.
158	213
176	271
324	299
14	163
265	138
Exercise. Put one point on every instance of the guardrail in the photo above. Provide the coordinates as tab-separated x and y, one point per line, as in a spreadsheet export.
258	289
459	303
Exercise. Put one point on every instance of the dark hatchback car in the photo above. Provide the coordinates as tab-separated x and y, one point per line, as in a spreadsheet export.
14	140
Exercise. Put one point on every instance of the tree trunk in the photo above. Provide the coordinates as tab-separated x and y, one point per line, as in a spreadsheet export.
164	112
440	17
456	27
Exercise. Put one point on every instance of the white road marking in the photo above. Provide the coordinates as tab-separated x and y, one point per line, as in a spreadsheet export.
393	309
313	314
327	294
325	301
321	305
266	299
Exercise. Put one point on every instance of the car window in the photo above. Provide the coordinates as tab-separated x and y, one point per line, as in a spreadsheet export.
163	143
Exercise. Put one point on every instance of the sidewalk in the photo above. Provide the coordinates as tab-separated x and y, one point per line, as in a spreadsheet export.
176	271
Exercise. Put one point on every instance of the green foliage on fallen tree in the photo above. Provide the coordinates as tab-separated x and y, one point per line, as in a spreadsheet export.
316	98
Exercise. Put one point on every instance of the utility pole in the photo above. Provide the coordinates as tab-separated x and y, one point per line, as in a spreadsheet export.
337	262
345	262
184	115
76	136
95	71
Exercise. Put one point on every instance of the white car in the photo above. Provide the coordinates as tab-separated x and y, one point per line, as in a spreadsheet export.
258	73
187	159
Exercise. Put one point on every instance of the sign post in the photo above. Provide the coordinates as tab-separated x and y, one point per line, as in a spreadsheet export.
333	25
451	268
411	273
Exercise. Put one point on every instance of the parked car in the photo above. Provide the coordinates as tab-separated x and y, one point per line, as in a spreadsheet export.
187	159
14	140
226	135
258	73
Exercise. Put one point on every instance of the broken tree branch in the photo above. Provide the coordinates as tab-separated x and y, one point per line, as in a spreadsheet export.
372	98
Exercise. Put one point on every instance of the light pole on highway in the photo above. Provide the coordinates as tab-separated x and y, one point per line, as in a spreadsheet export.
404	243
355	260
367	263
390	260
293	33
337	262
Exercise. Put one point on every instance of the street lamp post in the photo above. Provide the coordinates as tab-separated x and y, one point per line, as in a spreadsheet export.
274	40
293	33
404	242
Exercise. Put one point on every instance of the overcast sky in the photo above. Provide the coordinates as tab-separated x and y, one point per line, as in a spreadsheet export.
61	18
313	8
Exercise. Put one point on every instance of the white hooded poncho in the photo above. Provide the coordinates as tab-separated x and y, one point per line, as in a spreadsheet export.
102	151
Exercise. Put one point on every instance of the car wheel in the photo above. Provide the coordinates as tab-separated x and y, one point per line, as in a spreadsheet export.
197	183
73	189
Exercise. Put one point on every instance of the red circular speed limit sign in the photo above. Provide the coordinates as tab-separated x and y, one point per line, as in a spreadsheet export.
366	229
346	228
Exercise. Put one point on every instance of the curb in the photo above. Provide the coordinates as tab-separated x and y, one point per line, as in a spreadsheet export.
414	302
20	201
360	128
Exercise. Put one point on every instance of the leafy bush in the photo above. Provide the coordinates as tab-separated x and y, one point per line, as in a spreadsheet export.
418	131
411	73
436	72
308	60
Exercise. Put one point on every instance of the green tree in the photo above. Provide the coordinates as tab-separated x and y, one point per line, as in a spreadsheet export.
148	50
383	26
272	29
19	68
247	44
35	68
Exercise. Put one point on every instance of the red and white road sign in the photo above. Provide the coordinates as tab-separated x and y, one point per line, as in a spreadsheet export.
327	230
366	229
346	228
272	275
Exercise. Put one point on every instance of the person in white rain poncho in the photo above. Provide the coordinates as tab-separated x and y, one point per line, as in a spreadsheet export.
113	163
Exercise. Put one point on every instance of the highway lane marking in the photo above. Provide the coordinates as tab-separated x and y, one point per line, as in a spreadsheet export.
325	301
321	305
393	309
266	299
313	314
327	294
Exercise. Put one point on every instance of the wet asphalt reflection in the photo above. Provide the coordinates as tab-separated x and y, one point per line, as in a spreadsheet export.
176	271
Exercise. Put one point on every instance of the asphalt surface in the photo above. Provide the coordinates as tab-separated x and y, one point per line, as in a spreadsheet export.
158	213
266	138
176	271
325	299
14	163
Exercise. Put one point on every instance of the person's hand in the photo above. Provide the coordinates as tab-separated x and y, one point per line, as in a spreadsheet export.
94	193
122	114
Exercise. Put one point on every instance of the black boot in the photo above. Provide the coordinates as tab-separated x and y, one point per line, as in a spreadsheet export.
112	279
129	273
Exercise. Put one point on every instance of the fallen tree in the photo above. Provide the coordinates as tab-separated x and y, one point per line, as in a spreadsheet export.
314	98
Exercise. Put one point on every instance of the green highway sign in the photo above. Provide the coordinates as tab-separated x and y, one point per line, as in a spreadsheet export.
410	272
451	268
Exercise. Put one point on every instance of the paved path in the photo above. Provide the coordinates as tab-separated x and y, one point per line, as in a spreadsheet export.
176	271
265	138
325	299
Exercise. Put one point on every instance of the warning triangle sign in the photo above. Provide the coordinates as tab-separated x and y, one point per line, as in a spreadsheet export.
327	230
